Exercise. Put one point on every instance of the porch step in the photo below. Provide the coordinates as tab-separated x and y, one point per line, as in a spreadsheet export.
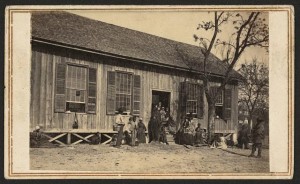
170	139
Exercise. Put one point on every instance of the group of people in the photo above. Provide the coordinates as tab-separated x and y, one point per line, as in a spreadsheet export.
189	134
131	132
159	122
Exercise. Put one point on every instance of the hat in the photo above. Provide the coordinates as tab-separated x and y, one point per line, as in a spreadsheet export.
37	127
141	119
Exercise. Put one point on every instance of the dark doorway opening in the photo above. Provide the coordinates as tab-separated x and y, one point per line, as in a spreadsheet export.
161	96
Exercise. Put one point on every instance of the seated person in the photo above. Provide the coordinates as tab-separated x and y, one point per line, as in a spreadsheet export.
219	141
96	139
185	135
35	137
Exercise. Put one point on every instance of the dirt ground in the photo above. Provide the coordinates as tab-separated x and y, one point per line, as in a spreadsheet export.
147	158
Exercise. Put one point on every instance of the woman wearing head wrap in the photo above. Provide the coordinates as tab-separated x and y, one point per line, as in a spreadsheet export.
141	128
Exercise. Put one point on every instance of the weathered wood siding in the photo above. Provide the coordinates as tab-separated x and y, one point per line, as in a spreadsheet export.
152	78
222	126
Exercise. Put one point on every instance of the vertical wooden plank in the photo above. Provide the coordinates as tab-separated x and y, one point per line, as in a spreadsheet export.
33	88
69	138
43	90
37	87
49	87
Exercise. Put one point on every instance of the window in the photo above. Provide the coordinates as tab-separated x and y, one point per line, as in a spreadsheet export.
191	103
191	99
219	106
223	103
123	91
76	84
75	88
218	103
219	100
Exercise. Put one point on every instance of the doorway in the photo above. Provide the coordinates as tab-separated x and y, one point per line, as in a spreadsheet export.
161	96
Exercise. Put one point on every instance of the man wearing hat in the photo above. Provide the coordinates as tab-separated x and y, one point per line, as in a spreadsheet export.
257	136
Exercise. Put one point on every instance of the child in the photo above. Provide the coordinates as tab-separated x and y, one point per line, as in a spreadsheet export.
96	139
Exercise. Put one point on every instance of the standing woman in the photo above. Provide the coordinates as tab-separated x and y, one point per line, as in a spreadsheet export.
141	135
133	131
198	135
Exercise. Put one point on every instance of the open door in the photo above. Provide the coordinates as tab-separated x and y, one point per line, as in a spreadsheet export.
161	96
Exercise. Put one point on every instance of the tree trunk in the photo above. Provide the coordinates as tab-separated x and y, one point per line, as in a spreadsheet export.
211	119
250	121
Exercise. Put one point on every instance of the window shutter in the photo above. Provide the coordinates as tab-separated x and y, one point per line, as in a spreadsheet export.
227	104
111	93
200	103
213	90
136	94
183	98
92	91
60	87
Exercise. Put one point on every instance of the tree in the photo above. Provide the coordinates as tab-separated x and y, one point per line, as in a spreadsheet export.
249	31
254	90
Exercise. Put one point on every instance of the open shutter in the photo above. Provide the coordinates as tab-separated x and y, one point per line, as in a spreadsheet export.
213	90
200	102
227	104
60	88
111	93
183	98
136	95
92	91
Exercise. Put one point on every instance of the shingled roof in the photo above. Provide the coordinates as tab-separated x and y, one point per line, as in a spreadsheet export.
70	29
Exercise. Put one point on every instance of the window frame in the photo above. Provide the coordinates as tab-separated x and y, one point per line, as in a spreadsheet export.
187	110
131	90
86	85
222	98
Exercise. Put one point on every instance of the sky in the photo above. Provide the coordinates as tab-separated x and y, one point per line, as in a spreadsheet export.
175	25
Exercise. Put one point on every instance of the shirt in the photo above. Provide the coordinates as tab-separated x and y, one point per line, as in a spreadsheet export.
119	119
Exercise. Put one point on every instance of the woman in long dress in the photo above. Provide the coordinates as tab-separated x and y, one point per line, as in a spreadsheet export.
141	128
133	131
198	135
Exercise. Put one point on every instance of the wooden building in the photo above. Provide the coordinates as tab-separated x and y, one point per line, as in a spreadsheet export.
94	68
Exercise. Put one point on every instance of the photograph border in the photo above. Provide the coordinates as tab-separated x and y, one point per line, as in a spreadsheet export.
9	173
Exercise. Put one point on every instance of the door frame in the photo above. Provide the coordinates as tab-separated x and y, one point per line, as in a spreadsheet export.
163	90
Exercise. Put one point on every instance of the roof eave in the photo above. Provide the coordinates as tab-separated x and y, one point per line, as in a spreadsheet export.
68	46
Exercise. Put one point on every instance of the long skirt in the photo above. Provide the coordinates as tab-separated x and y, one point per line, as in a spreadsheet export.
119	136
187	138
141	136
198	138
133	137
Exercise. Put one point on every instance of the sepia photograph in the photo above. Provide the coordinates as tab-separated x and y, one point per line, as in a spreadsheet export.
147	92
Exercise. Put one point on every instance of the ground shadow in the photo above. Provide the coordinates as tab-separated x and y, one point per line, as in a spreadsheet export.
232	152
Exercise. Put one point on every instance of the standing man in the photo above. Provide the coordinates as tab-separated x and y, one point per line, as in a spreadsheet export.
120	124
258	135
